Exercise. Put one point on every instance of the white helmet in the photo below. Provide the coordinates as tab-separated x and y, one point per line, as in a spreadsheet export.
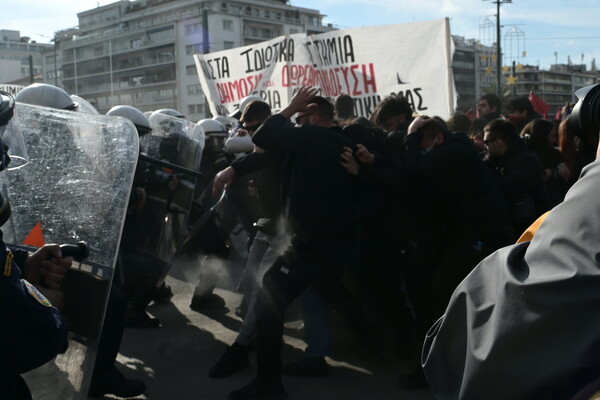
171	112
134	115
212	126
45	95
245	101
227	121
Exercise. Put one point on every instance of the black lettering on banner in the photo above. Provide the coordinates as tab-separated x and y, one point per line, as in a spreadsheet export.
420	106
408	94
337	50
364	106
220	64
259	59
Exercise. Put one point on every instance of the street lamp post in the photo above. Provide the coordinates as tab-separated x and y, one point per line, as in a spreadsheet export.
498	49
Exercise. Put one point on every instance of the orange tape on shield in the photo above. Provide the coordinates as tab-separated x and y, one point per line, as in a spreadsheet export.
35	237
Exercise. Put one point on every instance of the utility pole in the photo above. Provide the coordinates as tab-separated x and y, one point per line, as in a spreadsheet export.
498	48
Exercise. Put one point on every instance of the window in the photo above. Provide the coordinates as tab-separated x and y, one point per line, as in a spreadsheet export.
136	43
194	89
227	45
228	25
195	108
292	31
161	34
193	48
190	70
193	28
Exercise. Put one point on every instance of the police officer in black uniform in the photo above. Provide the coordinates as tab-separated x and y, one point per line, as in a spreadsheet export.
33	330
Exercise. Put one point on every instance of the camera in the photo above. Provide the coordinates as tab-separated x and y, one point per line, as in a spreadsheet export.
585	117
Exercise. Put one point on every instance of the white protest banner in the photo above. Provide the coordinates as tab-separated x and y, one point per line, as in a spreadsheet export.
12	89
413	60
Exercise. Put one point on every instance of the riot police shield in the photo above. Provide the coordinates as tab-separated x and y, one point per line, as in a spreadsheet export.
74	189
174	151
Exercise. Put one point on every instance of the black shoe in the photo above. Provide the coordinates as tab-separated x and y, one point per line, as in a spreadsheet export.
162	294
141	319
233	360
308	366
259	391
414	380
208	301
114	383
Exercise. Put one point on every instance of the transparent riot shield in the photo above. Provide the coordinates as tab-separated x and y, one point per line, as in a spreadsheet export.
83	105
74	189
174	151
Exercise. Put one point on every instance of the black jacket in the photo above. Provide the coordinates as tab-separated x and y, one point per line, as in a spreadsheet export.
453	181
318	193
519	171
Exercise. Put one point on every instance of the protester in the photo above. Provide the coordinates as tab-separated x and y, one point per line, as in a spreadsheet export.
466	215
540	135
321	228
521	112
518	172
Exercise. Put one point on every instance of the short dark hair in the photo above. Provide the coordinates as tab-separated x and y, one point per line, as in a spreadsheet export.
493	100
324	107
344	106
256	111
459	122
520	104
390	107
502	129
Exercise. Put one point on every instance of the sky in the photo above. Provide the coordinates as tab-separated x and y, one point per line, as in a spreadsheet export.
548	31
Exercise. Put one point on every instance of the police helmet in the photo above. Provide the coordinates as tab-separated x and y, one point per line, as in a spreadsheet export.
83	105
212	126
227	121
45	95
171	112
12	145
134	115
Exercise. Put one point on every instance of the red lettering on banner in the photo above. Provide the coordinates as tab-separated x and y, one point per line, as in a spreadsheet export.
355	91
369	79
357	79
236	90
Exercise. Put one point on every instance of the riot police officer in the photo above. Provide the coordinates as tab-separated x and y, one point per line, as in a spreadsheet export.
33	330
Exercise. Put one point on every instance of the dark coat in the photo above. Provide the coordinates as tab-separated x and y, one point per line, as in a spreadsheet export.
33	332
519	172
318	193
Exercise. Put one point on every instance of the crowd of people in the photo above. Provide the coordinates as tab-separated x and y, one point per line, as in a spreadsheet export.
377	218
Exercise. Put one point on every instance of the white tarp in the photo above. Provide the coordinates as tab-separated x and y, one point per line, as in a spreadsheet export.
366	63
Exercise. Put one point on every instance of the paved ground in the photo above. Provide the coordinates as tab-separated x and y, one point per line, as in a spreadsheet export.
174	360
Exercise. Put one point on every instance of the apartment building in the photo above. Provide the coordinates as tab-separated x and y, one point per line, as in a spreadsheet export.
20	58
140	52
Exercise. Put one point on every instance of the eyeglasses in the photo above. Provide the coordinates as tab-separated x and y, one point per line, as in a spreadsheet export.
488	141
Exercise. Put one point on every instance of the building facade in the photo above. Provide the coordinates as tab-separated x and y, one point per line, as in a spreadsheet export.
20	58
141	52
556	86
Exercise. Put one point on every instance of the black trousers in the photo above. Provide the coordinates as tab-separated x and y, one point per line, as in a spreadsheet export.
313	257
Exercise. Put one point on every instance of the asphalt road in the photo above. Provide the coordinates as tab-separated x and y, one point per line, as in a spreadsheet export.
174	359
